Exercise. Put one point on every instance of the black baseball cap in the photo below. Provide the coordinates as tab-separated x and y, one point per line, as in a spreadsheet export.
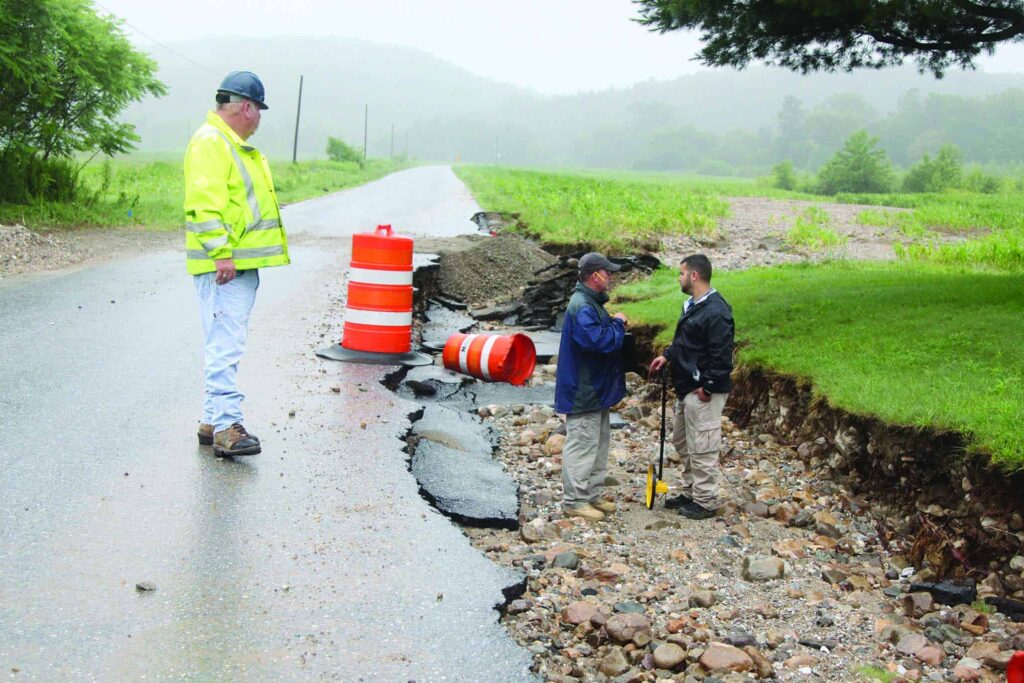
593	262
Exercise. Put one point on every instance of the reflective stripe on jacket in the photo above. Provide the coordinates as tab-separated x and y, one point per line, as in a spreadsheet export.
231	209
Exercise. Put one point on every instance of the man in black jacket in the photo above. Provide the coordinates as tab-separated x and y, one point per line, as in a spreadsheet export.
700	360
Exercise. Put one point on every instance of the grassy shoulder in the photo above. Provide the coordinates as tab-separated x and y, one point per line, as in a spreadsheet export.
149	193
607	211
911	343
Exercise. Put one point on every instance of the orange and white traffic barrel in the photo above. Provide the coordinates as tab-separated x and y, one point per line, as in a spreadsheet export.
378	312
378	315
491	357
1015	669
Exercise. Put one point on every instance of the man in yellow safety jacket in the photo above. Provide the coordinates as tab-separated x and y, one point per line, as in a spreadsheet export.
232	229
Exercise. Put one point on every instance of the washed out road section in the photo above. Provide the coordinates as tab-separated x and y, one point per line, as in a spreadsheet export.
316	559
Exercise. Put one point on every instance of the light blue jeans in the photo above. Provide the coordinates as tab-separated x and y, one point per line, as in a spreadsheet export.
224	310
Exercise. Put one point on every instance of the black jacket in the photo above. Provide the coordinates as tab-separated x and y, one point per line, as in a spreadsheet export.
701	351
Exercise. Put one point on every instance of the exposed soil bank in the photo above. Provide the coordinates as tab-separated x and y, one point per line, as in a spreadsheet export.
965	515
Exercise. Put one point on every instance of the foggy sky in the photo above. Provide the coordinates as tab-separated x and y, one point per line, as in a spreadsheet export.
552	46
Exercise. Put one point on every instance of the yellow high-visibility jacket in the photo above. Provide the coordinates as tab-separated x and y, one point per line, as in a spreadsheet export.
231	209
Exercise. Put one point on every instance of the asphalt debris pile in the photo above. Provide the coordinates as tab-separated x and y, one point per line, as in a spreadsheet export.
512	280
492	270
795	579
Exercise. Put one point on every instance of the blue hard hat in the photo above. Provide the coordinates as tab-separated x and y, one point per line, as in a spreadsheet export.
244	83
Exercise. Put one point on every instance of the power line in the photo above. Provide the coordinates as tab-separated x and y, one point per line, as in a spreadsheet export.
146	35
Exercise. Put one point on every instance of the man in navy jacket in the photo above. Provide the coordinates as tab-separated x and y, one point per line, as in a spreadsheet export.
700	358
589	382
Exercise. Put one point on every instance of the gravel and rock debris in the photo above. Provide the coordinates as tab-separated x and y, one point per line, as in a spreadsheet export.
28	251
754	235
795	579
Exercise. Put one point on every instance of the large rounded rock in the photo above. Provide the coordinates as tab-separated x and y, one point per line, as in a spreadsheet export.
669	656
614	663
554	444
763	568
911	644
722	657
578	612
623	628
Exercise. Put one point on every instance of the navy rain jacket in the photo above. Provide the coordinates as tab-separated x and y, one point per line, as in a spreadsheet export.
590	375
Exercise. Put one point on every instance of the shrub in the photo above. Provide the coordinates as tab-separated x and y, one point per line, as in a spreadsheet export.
783	176
339	150
28	177
977	180
942	173
857	167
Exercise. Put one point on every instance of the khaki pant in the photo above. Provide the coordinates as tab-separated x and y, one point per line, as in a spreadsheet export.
697	437
585	456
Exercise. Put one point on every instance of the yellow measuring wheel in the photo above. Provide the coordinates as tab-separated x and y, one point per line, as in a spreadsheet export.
654	483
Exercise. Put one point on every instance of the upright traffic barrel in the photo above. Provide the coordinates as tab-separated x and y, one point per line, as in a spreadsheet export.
378	315
498	358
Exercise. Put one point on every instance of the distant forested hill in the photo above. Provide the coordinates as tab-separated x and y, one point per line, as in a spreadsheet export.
715	121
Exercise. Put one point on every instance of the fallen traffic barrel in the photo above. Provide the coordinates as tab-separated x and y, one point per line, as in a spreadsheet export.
378	315
498	358
1015	670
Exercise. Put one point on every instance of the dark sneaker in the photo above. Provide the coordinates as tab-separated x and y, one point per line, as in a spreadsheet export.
205	434
677	502
235	441
694	510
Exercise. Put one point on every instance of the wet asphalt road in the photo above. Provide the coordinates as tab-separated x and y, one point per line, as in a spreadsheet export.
316	560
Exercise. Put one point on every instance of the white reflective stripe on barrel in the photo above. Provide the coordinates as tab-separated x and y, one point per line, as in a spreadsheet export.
380	277
381	318
464	353
485	356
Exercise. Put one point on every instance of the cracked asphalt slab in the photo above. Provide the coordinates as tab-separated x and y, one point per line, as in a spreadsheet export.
317	559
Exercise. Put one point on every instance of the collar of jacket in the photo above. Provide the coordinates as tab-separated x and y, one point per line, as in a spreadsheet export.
703	302
600	297
214	119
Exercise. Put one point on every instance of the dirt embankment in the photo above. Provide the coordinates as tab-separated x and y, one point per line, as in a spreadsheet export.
26	251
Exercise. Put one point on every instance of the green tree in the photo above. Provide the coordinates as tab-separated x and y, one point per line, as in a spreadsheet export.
857	167
942	173
339	150
66	75
811	36
792	140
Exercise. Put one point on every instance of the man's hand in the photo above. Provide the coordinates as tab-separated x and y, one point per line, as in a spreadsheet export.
622	317
656	365
225	270
702	395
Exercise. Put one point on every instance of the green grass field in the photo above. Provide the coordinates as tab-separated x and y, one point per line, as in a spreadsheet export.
606	212
912	343
812	232
150	193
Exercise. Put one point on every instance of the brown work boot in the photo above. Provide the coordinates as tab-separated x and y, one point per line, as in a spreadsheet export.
605	506
205	434
586	511
235	441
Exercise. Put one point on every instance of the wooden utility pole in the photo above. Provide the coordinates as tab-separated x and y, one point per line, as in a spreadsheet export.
298	112
366	127
392	141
